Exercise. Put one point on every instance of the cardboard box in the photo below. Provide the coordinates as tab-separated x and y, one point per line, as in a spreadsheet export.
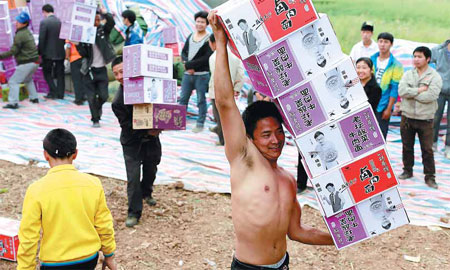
301	56
169	35
78	33
253	25
328	96
23	93
5	26
366	177
176	48
339	142
159	116
6	41
379	214
9	241
140	90
146	60
41	86
4	10
9	63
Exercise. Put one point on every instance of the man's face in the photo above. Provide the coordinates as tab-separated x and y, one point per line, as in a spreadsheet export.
118	73
243	26
126	21
268	137
97	20
366	35
330	189
200	24
20	25
320	139
420	60
384	45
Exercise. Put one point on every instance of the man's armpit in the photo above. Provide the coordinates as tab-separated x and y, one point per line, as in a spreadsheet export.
248	160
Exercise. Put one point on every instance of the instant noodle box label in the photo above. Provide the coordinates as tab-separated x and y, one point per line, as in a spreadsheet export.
9	241
252	25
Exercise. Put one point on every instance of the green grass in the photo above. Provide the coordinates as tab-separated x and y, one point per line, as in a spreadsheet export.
417	20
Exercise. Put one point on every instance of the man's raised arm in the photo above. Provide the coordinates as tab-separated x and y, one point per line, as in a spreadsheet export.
232	124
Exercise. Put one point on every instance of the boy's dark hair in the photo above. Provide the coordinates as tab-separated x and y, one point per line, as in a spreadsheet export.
212	38
130	15
387	36
367	26
259	110
329	185
48	8
425	50
241	21
366	60
60	143
317	134
117	61
202	14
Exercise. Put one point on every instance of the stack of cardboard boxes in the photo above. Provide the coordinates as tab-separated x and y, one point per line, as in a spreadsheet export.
292	55
149	87
170	39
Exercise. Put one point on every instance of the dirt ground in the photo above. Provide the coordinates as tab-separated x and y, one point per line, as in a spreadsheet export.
190	230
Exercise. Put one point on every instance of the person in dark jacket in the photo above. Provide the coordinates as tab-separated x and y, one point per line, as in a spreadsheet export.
51	50
364	68
140	147
93	65
26	55
195	55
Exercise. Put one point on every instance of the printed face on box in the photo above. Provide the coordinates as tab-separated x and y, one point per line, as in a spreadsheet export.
246	29
383	212
314	41
332	192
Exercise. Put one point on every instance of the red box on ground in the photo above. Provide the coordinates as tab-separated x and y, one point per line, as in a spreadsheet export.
9	241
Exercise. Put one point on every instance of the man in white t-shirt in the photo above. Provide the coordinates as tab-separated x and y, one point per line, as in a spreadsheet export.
366	47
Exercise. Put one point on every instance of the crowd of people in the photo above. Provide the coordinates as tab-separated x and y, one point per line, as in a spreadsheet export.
264	202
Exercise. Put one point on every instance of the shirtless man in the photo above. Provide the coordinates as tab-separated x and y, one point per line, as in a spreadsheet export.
264	203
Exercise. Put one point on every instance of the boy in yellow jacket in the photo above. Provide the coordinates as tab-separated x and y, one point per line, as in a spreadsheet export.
70	208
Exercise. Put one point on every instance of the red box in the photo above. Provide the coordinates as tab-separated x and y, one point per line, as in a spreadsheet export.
9	241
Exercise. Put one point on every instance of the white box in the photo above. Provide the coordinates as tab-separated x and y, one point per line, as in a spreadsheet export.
4	9
78	33
140	90
147	60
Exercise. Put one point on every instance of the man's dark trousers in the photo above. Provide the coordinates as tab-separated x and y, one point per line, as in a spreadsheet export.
77	77
96	86
147	154
54	69
424	128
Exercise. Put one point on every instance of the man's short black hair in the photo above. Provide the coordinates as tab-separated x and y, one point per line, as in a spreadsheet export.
425	50
48	8
317	134
60	143
387	36
367	26
117	61
242	21
212	38
329	185
259	110
130	15
202	14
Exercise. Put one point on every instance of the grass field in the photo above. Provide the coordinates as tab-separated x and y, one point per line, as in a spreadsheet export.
418	20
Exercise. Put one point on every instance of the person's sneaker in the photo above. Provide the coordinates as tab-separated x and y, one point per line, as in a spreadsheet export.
131	222
197	129
11	106
405	175
150	201
431	183
434	146
213	129
96	124
35	101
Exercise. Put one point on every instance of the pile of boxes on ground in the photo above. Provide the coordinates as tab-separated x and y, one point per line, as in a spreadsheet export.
292	55
170	39
149	87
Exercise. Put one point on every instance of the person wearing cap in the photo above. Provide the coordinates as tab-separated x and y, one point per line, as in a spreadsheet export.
366	47
51	50
26	55
70	209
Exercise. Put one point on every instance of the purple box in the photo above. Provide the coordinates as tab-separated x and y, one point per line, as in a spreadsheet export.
159	116
339	142
41	86
78	33
346	228
146	60
9	63
170	35
149	90
309	51
5	25
6	41
327	96
9	73
4	9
